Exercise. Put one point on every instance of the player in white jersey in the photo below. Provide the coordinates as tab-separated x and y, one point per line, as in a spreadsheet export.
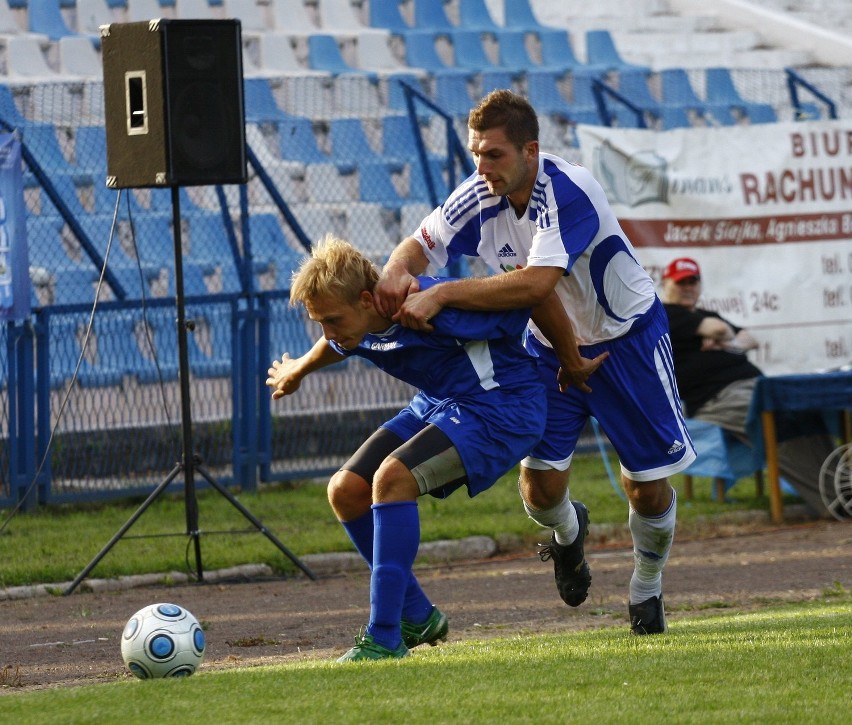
547	223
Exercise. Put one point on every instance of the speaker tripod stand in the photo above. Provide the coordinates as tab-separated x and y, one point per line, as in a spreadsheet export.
190	462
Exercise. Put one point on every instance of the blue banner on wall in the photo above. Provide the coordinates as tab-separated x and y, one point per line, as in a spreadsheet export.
15	294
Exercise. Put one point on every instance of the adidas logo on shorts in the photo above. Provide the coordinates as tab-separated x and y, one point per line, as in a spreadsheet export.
676	446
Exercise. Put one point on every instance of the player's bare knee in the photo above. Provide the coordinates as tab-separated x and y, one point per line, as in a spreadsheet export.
394	482
542	490
648	498
349	495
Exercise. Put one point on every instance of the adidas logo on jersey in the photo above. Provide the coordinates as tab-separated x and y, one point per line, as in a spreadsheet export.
506	251
676	446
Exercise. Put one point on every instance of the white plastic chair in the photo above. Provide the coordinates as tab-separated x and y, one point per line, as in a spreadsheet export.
140	10
78	57
91	14
26	61
291	16
270	160
327	185
195	9
276	55
251	15
373	51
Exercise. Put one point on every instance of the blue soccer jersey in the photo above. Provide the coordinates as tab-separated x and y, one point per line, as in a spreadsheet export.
476	383
607	295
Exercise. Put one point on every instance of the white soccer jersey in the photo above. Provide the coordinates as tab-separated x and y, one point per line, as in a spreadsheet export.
569	224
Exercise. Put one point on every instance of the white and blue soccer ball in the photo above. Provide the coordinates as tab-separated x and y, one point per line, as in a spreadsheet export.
162	640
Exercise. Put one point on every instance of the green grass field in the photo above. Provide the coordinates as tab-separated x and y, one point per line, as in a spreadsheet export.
788	664
55	543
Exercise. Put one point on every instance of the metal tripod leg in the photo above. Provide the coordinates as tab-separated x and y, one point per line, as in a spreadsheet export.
123	530
254	520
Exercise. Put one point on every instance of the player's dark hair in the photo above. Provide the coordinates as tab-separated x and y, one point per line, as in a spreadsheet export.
502	108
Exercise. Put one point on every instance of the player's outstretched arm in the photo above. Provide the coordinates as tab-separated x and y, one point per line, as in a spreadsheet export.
286	374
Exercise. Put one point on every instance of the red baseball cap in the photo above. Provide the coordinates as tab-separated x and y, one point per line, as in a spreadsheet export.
681	268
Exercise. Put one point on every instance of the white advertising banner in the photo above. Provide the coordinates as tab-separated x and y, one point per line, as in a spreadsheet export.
765	210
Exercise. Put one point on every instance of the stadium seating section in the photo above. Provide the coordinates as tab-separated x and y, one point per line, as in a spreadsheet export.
327	90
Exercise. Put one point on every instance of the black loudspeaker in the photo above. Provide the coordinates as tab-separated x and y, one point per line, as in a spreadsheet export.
173	103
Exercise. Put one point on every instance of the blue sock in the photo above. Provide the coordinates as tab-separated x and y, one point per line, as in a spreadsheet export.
416	607
360	532
395	543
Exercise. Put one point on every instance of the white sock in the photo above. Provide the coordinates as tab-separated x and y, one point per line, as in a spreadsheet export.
652	542
562	518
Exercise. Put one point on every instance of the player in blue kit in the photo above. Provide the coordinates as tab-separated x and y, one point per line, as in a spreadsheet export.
545	224
479	409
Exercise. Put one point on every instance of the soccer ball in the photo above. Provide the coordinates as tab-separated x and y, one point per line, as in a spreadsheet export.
162	640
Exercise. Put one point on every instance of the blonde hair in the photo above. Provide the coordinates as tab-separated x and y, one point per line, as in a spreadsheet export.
334	269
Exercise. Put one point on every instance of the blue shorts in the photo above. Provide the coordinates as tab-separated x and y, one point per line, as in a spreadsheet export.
491	432
634	398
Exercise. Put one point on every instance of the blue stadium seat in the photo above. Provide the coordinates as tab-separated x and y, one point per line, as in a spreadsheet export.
452	94
544	94
557	53
46	18
761	113
375	185
269	242
420	52
74	286
297	141
324	54
116	338
512	49
350	146
288	331
194	282
722	96
10	115
676	89
386	14
418	188
673	117
474	15
65	186
491	80
395	92
260	104
469	51
519	15
66	338
155	242
431	16
207	239
163	360
42	142
633	85
582	94
601	52
128	276
45	243
90	151
398	140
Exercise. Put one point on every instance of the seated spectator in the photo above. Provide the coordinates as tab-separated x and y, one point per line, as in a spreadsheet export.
716	381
